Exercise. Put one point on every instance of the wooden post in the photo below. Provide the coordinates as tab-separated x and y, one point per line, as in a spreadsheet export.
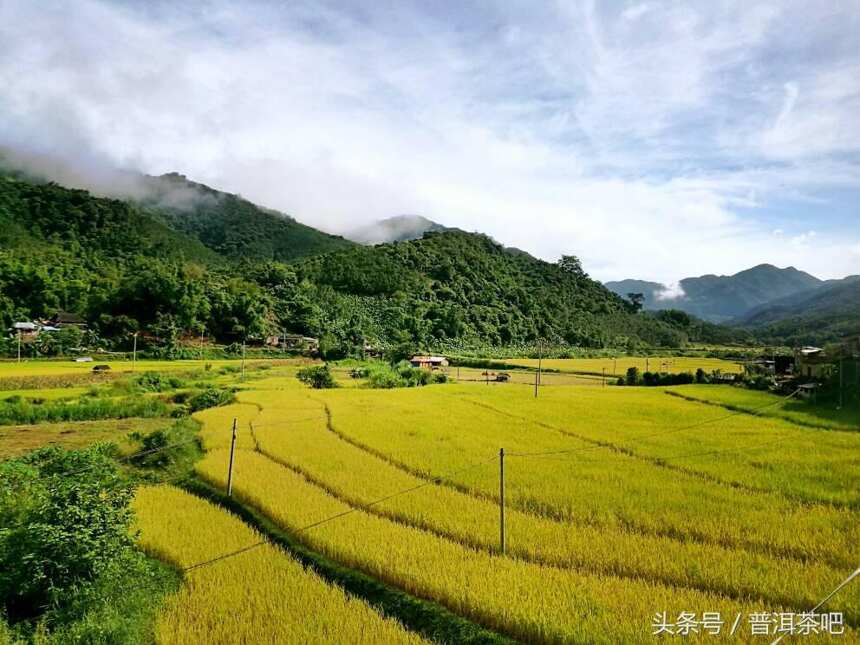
604	377
502	500
243	360
230	468
614	366
19	345
540	359
134	353
841	382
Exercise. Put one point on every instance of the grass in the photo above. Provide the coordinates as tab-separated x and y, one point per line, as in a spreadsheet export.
19	439
23	411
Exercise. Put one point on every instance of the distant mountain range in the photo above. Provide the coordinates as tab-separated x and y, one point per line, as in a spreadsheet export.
776	305
721	298
824	313
395	229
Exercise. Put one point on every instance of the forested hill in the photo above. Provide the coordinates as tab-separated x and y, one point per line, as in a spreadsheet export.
233	226
455	285
128	267
813	317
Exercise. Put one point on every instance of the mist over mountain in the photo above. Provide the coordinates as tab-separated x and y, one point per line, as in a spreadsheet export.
394	229
721	298
223	222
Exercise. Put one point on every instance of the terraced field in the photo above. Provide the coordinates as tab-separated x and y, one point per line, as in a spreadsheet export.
621	502
259	596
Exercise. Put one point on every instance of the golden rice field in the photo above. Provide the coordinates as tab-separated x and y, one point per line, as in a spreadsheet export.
323	457
619	366
259	596
621	502
36	367
649	502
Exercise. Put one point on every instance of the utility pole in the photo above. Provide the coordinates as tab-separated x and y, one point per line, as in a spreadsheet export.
615	366
134	353
540	359
604	377
243	360
646	363
201	341
841	381
19	345
230	467
502	500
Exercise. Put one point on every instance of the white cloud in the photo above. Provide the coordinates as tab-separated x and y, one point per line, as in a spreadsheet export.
651	141
673	291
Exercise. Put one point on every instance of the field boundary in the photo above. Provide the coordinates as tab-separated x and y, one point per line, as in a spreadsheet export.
539	510
754	413
423	617
665	461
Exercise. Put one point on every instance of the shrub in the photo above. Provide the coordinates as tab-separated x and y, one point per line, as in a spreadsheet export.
318	377
632	376
209	398
60	532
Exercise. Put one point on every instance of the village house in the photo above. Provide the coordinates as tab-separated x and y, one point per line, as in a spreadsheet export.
65	319
429	362
813	363
26	331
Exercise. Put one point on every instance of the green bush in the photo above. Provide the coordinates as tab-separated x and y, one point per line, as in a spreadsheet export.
66	519
382	376
318	377
210	398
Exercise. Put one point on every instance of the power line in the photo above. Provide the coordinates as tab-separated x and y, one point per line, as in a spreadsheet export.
331	518
838	588
654	434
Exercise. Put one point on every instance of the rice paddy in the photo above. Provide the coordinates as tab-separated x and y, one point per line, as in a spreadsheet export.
621	503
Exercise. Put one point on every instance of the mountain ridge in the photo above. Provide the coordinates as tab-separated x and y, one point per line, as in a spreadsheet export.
400	228
722	298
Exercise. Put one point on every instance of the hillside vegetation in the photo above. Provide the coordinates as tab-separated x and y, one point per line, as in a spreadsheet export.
232	226
817	316
204	262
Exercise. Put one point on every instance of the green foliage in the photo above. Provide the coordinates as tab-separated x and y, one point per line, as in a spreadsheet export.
214	264
21	411
59	532
632	377
318	377
456	286
157	382
385	376
234	227
210	398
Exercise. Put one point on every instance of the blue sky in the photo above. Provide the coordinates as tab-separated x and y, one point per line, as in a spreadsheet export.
654	140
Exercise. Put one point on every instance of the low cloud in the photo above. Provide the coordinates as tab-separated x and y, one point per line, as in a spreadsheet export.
673	291
624	136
